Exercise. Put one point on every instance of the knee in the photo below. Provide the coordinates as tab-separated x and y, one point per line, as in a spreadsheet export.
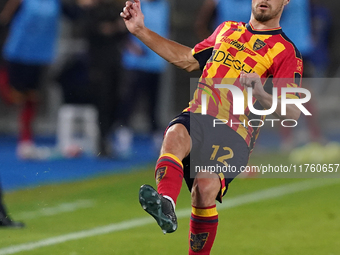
177	132
177	141
205	190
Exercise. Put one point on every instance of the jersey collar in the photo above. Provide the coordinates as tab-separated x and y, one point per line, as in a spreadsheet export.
273	31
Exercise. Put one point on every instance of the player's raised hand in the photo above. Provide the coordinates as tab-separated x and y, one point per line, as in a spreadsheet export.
252	80
133	16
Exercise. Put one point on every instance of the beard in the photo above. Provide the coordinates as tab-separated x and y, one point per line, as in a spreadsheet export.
263	16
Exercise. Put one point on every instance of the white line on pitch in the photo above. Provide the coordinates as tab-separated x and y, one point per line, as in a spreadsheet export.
61	208
227	203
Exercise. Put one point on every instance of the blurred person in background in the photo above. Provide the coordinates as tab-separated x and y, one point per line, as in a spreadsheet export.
105	33
214	12
318	57
142	75
297	22
318	147
316	61
29	49
5	220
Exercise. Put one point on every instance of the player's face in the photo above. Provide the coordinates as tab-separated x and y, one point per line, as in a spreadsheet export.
265	10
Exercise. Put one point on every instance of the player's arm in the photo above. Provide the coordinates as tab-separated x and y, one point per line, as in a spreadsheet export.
266	100
175	53
8	11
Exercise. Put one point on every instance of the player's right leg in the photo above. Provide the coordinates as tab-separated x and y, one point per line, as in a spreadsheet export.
169	176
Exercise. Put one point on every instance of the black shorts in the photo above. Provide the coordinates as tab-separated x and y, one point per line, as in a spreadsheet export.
216	149
25	77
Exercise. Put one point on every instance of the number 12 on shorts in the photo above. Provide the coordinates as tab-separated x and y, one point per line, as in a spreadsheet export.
223	158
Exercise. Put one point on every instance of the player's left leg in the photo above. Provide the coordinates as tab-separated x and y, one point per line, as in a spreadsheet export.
204	217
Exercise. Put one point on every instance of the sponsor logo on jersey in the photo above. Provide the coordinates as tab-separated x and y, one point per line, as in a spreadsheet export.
236	29
235	43
227	59
239	46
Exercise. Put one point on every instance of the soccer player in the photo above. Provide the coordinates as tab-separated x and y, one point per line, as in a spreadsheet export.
251	56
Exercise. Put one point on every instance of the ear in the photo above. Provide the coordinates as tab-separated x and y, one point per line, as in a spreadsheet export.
286	2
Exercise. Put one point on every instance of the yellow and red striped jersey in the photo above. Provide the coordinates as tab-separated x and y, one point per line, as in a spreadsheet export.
236	47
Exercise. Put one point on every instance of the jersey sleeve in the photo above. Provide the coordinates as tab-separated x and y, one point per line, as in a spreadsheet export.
288	71
203	50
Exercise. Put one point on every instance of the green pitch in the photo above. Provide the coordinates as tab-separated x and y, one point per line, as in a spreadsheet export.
102	216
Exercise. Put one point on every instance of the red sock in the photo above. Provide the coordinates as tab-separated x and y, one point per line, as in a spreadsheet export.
5	90
26	119
169	176
203	227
